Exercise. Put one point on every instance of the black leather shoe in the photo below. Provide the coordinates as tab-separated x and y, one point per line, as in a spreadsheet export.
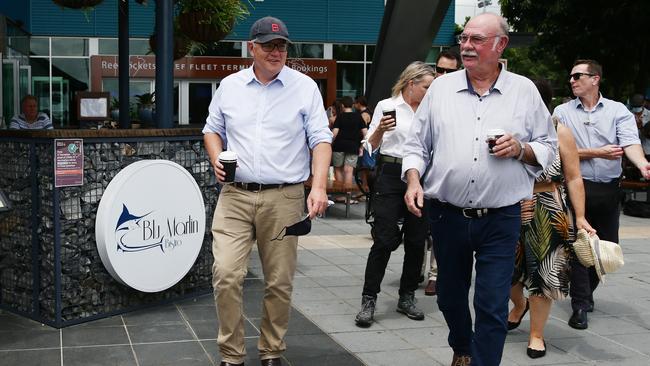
514	325
536	353
590	308
224	363
271	362
578	319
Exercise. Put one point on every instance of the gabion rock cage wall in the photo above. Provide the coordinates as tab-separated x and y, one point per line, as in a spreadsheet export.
50	269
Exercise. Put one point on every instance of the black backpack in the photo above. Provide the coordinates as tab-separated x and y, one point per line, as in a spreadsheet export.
636	208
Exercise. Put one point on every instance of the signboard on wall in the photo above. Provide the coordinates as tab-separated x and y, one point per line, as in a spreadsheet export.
68	162
206	67
150	225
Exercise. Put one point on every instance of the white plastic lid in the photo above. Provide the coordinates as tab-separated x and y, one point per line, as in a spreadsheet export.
228	156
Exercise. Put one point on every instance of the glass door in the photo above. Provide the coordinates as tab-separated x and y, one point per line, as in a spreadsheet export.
10	89
195	100
25	80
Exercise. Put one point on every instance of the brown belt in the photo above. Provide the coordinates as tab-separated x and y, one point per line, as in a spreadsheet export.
545	187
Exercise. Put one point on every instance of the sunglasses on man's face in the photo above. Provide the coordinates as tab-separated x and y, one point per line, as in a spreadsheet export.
577	75
442	70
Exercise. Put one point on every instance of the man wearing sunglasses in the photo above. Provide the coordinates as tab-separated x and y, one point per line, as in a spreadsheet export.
473	196
271	116
604	130
448	61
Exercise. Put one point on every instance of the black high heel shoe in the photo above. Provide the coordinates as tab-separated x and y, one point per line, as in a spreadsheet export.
536	353
514	325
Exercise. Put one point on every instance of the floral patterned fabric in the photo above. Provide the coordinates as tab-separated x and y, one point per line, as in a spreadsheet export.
543	251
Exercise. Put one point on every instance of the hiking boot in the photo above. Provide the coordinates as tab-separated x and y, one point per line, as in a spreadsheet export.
365	318
406	306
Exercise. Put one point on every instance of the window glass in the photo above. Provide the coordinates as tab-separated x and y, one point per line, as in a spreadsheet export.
138	47
69	46
41	83
349	79
107	46
306	50
40	46
136	87
69	75
232	49
348	52
370	52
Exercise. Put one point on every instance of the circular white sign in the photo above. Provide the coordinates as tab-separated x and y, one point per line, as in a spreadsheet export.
150	225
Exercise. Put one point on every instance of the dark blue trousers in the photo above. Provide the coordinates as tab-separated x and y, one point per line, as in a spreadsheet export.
491	241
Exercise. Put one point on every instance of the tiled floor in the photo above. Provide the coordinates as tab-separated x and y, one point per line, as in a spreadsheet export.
183	333
327	291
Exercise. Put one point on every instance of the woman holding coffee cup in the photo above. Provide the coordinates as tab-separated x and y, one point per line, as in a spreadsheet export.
388	131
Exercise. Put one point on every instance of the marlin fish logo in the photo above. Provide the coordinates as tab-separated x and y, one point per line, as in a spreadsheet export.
129	224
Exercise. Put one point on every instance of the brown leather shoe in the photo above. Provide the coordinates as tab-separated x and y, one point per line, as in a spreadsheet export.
272	362
461	360
430	290
224	363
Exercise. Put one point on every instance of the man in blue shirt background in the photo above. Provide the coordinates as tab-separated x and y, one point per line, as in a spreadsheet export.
604	130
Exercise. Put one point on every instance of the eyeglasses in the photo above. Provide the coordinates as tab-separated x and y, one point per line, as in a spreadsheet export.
577	75
270	46
474	39
442	70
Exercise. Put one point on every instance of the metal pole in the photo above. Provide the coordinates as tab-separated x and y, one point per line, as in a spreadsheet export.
123	61
164	63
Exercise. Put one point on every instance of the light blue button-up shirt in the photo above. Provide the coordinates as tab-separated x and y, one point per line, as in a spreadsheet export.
270	127
447	145
609	123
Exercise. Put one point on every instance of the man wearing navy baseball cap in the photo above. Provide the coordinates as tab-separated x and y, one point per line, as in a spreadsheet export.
270	116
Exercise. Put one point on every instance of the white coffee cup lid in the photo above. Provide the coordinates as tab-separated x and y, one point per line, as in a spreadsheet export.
496	131
228	155
387	108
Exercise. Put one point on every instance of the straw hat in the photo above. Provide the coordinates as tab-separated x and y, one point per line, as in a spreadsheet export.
605	255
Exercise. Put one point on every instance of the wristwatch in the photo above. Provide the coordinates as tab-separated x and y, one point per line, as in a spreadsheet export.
522	150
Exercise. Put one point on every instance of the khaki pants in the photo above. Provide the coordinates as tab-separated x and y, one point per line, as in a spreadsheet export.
240	219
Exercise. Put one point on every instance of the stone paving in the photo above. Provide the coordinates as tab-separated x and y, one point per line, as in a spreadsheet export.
326	298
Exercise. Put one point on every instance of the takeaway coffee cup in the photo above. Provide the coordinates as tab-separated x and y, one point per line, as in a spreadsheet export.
492	137
229	161
390	111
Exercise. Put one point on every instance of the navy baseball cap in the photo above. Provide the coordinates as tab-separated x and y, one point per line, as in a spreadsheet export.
267	29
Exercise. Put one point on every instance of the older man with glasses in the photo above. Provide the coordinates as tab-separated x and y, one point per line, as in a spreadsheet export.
271	116
604	130
473	191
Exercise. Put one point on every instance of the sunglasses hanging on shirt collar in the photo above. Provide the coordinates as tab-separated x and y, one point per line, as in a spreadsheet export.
302	227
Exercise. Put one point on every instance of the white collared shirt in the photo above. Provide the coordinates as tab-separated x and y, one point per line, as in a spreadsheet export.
271	127
392	142
447	142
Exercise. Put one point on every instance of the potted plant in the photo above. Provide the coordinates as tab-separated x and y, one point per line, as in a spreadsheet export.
182	45
145	107
133	116
78	4
209	20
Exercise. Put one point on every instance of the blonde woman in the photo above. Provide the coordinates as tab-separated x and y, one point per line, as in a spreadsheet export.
387	134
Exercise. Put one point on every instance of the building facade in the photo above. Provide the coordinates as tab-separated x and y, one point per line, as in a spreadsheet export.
48	51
